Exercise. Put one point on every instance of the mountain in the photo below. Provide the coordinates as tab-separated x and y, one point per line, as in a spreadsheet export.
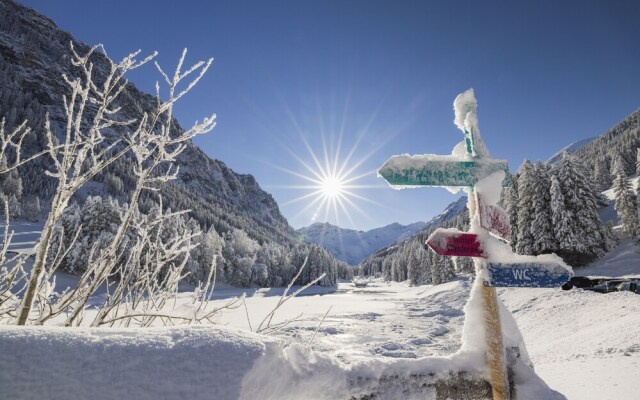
387	261
598	155
572	148
452	211
34	54
354	246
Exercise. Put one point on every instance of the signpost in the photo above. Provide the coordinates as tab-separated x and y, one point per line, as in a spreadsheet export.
527	275
433	170
494	219
466	171
455	243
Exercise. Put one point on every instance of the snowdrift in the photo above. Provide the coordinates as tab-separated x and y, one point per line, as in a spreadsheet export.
221	363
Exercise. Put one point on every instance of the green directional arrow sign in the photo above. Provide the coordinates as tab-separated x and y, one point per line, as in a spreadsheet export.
433	170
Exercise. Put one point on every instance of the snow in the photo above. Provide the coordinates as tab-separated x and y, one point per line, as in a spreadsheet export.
466	119
582	344
370	332
376	332
570	149
491	188
25	235
623	261
567	331
353	246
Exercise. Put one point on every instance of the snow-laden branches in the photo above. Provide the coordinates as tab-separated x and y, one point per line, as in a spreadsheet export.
12	273
93	120
265	325
11	145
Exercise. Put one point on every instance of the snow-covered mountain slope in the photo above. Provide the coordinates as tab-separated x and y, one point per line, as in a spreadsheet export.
622	140
34	54
452	211
572	148
354	246
449	215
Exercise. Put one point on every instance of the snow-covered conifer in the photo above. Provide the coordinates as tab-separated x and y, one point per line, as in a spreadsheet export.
601	175
510	200
544	240
626	203
582	206
526	211
31	209
561	218
413	267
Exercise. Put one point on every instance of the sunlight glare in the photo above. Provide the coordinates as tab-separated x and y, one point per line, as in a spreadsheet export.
332	186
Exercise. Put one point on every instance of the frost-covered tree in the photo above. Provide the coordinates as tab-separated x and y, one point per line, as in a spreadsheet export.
153	141
588	234
510	201
414	273
561	218
638	161
625	200
12	145
208	245
601	175
31	209
240	274
526	212
544	240
84	152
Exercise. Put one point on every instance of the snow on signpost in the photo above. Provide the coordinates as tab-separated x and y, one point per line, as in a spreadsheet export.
482	177
526	275
494	219
452	242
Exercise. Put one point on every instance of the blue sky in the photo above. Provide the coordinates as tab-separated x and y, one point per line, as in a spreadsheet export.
382	76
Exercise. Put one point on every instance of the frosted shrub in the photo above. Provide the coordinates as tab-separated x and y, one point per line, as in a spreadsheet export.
87	148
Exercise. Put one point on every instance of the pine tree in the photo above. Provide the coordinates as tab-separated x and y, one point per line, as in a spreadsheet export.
601	176
582	205
544	240
413	266
626	204
510	196
526	192
561	218
436	275
31	209
638	162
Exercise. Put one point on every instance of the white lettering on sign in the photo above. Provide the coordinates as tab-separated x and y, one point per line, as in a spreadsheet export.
520	274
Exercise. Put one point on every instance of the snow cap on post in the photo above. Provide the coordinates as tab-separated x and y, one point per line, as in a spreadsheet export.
466	119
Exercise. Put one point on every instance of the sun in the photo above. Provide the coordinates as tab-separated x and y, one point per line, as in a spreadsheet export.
333	187
334	176
331	181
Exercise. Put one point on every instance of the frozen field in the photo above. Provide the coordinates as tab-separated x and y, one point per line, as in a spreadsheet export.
584	345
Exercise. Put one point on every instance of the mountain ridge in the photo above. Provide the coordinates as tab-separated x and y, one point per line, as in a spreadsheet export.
353	246
34	53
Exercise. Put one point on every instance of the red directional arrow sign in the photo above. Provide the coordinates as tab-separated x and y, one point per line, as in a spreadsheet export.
451	242
494	219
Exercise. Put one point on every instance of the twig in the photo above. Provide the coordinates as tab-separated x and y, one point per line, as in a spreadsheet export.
318	328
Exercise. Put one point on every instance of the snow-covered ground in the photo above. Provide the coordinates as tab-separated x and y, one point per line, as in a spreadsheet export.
25	235
584	345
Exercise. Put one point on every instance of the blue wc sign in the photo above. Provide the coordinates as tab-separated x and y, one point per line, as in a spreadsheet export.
526	275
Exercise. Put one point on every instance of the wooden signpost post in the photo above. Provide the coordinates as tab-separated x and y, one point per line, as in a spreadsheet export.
467	171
